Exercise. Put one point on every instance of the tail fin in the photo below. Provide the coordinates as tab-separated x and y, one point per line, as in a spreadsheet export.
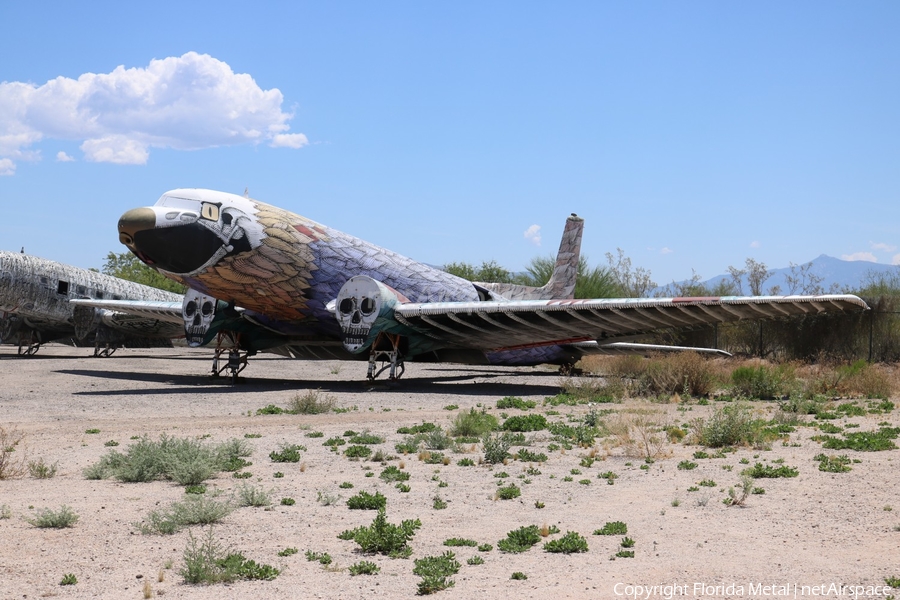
562	281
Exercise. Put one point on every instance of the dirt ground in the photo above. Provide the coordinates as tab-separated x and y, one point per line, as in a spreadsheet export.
817	535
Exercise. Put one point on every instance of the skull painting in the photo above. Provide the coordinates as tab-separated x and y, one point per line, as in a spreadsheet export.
359	304
197	310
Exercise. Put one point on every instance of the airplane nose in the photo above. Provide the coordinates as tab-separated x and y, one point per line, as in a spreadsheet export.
136	219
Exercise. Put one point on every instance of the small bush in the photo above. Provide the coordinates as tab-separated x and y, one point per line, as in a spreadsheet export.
321	557
496	448
570	543
731	425
833	464
357	452
41	470
520	540
763	382
194	510
207	562
453	542
687	465
12	465
435	572
423	428
384	538
68	579
364	567
366	501
392	474
514	402
287	453
509	492
473	424
760	471
366	438
612	528
525	423
518	576
313	402
59	519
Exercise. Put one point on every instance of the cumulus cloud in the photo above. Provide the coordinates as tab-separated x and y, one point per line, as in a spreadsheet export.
666	251
533	234
186	103
896	260
866	256
882	247
63	157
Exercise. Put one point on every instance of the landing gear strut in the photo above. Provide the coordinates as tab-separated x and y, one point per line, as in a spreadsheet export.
33	344
236	361
391	356
103	338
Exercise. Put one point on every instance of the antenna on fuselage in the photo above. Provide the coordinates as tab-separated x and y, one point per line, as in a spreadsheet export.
246	192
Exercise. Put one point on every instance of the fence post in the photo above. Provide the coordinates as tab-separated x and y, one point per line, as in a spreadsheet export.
871	333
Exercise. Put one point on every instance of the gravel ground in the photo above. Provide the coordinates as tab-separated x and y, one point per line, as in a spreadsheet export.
816	529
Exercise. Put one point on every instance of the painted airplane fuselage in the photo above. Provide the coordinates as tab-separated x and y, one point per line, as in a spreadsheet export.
35	293
283	267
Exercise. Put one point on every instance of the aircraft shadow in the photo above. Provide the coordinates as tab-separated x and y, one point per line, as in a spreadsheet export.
186	384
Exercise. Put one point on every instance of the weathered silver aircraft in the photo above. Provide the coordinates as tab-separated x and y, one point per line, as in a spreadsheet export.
35	307
261	278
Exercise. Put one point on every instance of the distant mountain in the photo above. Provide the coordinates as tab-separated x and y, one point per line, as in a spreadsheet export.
832	275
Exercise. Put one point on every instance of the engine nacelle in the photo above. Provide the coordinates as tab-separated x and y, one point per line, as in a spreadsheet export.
364	308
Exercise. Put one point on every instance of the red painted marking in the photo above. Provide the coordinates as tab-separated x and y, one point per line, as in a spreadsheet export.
307	232
564	302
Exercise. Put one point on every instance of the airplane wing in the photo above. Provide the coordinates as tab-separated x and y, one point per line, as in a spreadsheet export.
137	317
530	323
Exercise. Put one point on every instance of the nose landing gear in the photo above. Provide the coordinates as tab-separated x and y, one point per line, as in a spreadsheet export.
236	360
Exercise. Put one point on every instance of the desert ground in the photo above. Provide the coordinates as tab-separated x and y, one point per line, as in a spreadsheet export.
816	535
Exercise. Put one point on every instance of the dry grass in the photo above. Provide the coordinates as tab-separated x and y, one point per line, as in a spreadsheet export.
13	458
641	432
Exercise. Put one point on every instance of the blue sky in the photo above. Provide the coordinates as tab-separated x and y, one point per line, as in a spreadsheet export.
692	135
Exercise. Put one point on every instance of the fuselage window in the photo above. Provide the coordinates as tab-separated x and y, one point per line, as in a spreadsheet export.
82	291
98	295
62	288
116	297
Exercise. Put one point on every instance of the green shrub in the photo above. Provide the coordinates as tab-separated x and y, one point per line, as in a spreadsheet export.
287	453
864	441
687	465
357	452
193	510
364	567
366	438
384	538
423	428
763	382
366	501
496	448
509	492
612	528
520	540
525	423
54	519
833	464
473	424
525	455
68	579
435	572
760	471
392	474
208	562
514	402
731	425
570	543
460	542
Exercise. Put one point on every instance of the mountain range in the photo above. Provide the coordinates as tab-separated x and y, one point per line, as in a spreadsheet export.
832	275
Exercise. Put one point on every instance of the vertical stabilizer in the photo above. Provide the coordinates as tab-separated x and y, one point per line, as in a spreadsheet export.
562	281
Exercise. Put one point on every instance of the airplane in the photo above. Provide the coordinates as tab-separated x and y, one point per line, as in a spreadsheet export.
35	305
261	278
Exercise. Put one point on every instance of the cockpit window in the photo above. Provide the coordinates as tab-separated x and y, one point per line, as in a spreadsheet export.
182	203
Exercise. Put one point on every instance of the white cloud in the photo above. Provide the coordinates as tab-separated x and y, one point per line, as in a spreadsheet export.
7	167
881	246
866	256
666	251
533	234
63	157
188	102
754	244
896	260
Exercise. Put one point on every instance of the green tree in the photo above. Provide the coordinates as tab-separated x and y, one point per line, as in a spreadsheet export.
129	267
488	272
591	282
632	282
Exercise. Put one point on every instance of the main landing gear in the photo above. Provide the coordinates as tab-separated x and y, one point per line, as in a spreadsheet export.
386	349
236	361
